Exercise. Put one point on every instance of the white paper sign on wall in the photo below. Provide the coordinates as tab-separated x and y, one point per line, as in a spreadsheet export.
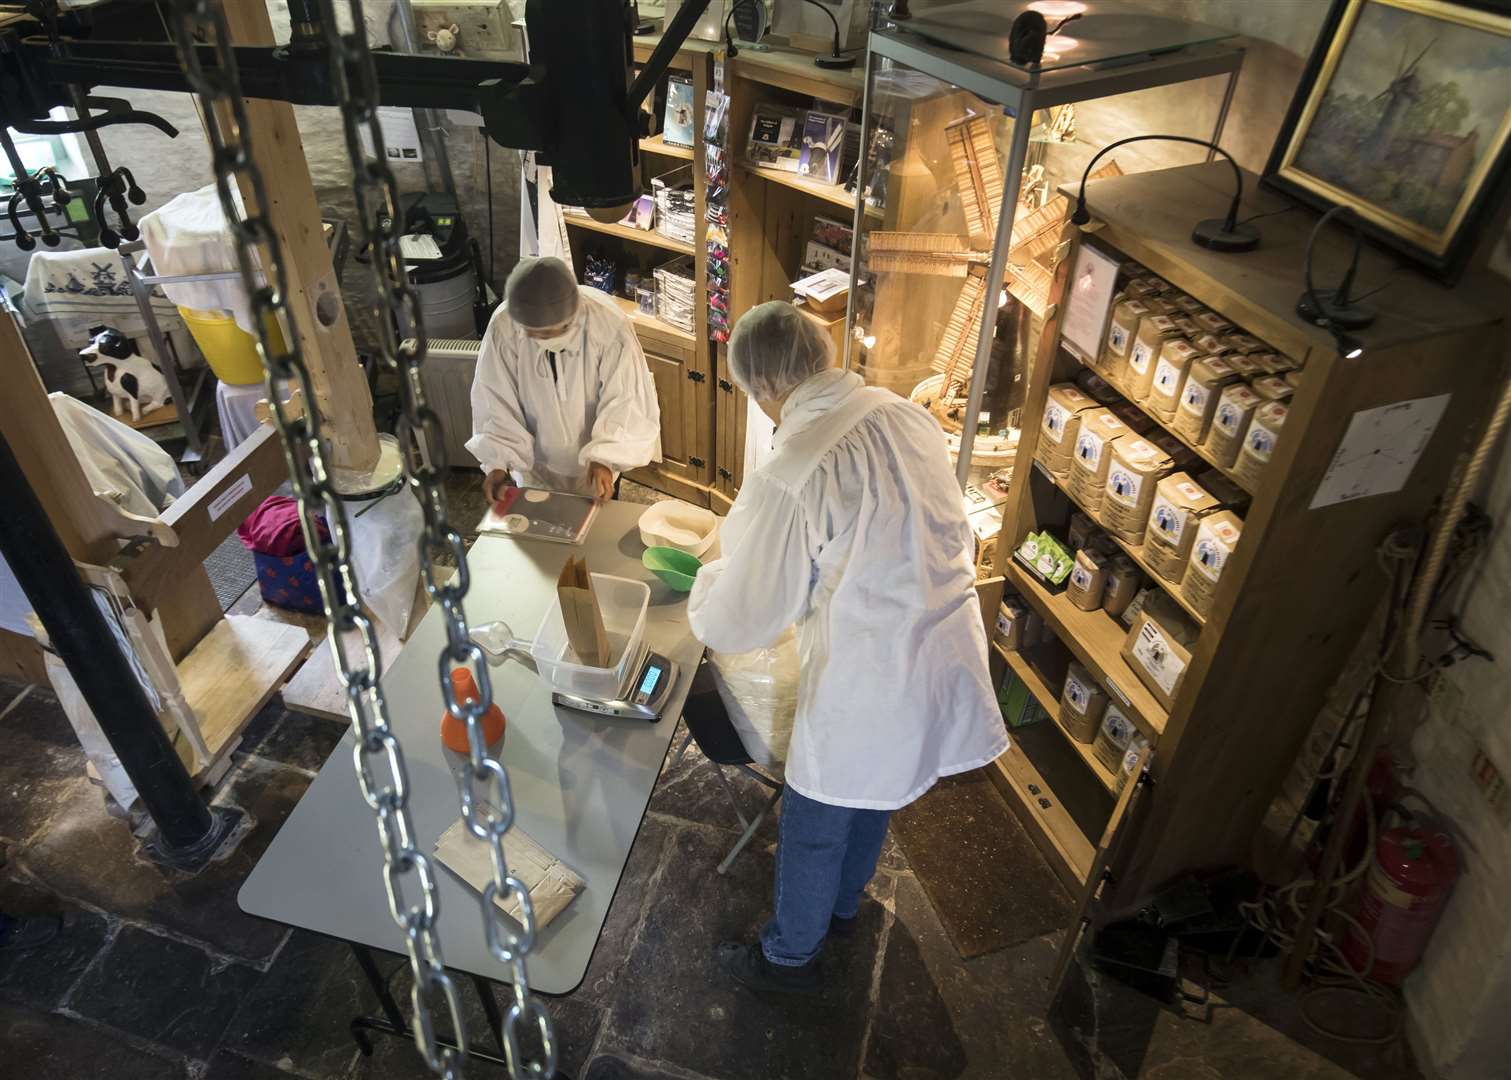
1379	450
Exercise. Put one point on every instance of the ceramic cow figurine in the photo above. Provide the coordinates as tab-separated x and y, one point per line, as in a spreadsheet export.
132	380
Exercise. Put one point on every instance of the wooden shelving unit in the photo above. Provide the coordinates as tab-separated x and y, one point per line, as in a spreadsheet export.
1200	451
834	194
1297	594
627	232
1133	551
1045	694
655	144
650	326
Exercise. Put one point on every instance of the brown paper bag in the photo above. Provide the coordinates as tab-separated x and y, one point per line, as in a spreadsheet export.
580	614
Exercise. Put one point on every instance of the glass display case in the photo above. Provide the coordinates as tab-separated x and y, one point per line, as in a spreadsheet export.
958	220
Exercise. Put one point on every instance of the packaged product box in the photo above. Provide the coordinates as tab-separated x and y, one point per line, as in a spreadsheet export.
1149	285
1137	465
1244	344
1246	366
1293	378
1158	649
1019	706
1259	441
1125	323
1033	630
1046	557
1179	502
1229	495
1181	455
1136	746
1273	388
1189	304
1112	737
1080	530
1097	388
1133	417
1136	605
1011	616
1088	577
1100	428
1216	537
1208	343
1214	322
1189	328
1062	419
1123	578
1230	420
1272	363
1170	372
1153	333
1082	703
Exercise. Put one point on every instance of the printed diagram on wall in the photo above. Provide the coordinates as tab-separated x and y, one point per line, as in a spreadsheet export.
1379	450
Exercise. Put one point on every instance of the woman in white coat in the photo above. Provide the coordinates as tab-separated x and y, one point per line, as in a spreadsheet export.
854	530
562	398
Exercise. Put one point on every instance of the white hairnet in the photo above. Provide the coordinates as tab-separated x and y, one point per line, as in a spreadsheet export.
541	293
774	347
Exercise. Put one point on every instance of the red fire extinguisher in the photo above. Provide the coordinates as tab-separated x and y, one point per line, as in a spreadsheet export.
1405	891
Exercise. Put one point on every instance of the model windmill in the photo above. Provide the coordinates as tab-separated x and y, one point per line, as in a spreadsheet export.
1403	92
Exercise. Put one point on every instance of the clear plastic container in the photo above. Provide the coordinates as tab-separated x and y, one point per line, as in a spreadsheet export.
623	603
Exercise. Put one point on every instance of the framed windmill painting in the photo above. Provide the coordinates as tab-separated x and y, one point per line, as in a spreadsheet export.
1403	115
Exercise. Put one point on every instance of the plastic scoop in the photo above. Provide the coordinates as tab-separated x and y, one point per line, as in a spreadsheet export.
676	568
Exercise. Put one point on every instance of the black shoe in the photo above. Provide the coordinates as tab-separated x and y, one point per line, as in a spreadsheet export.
839	926
17	935
749	967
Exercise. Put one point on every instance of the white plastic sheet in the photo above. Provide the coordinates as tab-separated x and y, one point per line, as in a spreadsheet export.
759	689
386	555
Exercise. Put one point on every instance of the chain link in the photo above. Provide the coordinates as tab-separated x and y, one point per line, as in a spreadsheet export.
378	756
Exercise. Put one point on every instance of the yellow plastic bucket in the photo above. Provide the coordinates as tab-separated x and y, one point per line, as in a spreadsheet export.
230	350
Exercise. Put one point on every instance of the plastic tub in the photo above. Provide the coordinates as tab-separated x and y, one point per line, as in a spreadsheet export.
230	350
623	603
680	525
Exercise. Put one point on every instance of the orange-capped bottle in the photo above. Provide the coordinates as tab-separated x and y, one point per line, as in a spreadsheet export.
454	731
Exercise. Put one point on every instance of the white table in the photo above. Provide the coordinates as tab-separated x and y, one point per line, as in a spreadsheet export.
581	783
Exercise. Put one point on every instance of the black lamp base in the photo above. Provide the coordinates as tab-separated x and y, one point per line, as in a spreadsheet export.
1214	234
1347	316
835	63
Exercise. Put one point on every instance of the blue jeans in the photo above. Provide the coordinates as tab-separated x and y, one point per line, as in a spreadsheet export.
825	857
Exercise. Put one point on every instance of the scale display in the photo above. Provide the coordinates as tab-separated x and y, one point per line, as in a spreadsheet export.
643	696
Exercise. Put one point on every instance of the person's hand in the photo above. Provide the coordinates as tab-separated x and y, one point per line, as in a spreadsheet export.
495	484
602	479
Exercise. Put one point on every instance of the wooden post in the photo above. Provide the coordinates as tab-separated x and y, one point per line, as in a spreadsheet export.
314	299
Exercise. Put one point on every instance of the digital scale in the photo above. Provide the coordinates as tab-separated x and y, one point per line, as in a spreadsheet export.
644	694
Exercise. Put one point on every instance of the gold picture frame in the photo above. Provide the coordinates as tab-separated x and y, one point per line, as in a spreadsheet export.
1404	116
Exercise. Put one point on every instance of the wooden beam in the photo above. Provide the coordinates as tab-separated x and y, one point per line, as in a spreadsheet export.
318	314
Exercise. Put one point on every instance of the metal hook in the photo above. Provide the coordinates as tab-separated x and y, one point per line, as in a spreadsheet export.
23	238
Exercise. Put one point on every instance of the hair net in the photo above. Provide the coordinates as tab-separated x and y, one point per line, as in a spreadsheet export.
541	293
774	347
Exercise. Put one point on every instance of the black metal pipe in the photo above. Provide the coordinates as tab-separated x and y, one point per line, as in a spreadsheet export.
87	647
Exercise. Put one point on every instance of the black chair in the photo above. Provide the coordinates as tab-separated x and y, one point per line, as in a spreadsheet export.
708	725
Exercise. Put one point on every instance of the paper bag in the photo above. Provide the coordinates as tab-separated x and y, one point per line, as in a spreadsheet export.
551	883
580	615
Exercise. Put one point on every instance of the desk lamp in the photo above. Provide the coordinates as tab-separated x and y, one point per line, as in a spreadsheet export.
1227	235
835	61
1333	309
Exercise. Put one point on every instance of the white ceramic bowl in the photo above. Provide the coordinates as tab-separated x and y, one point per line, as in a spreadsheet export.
679	525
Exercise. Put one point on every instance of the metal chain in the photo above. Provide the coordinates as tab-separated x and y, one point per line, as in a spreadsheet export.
354	645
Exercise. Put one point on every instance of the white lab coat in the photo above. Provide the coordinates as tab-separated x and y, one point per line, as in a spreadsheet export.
854	530
600	406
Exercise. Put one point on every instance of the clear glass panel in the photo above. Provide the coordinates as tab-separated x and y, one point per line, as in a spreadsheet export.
933	186
1082	31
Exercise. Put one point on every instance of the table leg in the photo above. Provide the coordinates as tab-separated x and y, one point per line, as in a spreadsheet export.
491	1011
392	1020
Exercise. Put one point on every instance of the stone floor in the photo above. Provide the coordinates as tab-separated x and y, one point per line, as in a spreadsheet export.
159	976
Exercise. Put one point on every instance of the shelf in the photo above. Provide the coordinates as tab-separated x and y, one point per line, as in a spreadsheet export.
626	232
1117	384
1133	551
1039	687
651	323
657	145
1096	639
834	194
1064	845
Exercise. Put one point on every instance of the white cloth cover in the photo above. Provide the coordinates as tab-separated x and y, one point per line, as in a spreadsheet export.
76	290
237	408
600	407
120	463
854	531
189	235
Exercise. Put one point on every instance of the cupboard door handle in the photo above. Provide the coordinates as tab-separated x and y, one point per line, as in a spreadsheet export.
696	462
726	386
695	376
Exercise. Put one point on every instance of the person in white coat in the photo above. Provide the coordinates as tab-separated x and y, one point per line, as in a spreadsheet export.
562	398
854	531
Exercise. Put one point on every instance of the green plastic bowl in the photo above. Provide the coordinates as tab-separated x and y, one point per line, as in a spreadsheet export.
676	568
